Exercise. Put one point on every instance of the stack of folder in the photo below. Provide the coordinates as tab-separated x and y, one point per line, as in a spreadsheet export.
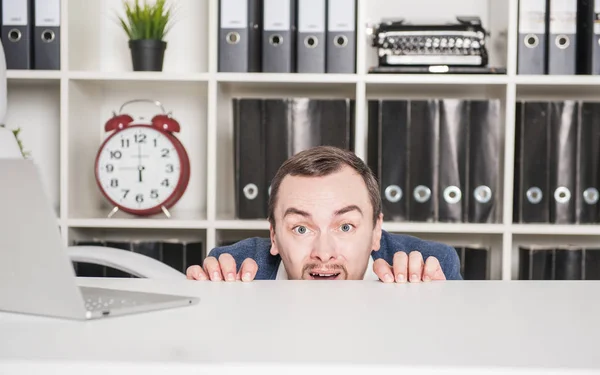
474	262
558	37
174	253
563	262
557	162
287	36
437	159
269	131
31	34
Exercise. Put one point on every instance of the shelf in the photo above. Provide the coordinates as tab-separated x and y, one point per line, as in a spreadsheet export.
436	79
443	228
286	78
34	76
262	224
138	223
556	229
564	80
138	76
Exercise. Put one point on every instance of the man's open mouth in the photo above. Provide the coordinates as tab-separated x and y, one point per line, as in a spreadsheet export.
324	275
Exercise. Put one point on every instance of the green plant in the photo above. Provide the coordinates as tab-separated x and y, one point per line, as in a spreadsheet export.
16	133
147	21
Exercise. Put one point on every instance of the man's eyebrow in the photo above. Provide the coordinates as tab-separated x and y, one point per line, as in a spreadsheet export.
295	211
347	209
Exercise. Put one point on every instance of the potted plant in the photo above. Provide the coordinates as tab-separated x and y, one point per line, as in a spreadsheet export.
146	26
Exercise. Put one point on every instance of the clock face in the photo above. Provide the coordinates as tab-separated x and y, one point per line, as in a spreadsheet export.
139	168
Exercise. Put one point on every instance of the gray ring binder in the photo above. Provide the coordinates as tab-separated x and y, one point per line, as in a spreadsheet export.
534	195
14	35
422	193
452	194
393	193
251	191
562	194
482	194
591	196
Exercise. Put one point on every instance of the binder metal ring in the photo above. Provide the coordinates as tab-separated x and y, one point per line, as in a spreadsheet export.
591	195
14	35
275	39
422	193
233	37
482	194
562	194
311	41
393	193
48	36
251	191
562	41
531	40
340	40
452	194
534	195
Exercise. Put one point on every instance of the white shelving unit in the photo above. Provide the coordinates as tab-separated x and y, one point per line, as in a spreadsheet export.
62	114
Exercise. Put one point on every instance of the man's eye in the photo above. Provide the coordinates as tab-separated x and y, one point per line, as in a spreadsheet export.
300	229
346	227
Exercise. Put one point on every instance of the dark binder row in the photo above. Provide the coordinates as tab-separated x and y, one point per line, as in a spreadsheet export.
177	254
287	36
474	262
557	162
436	160
558	37
31	34
269	131
559	263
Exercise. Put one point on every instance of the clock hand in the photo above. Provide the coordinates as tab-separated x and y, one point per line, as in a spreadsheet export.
140	169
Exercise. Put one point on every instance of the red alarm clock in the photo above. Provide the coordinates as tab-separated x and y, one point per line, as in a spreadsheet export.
142	168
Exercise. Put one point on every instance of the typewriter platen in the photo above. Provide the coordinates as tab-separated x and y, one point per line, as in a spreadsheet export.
459	44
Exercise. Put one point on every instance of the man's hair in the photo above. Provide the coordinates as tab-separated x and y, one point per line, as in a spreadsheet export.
322	161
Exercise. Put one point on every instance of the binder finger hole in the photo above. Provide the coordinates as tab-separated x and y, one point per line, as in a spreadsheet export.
233	37
311	42
250	191
340	40
48	36
562	194
276	40
422	194
531	41
562	41
14	35
452	194
393	193
591	195
534	195
482	194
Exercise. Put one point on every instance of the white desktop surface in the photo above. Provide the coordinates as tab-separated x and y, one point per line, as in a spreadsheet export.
345	327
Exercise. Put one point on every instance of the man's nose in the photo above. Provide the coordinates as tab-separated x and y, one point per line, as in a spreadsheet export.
324	248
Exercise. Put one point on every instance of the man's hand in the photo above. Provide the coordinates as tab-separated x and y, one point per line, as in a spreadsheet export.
223	269
409	267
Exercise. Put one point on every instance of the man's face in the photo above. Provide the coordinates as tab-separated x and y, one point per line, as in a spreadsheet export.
324	226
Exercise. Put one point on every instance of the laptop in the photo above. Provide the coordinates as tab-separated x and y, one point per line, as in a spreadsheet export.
36	274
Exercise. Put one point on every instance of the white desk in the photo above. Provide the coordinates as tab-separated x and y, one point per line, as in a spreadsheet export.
288	327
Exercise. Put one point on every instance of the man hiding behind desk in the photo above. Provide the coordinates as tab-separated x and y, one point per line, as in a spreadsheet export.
325	224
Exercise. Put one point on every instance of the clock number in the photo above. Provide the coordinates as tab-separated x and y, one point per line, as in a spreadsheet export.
140	138
139	198
110	168
124	142
126	191
165	153
155	142
114	183
115	154
165	182
170	168
154	193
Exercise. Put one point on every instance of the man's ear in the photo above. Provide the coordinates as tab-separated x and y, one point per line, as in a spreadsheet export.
376	245
274	249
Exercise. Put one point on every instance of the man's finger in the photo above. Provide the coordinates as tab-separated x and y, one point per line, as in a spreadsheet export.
212	269
383	270
400	266
227	264
415	266
248	270
195	273
433	270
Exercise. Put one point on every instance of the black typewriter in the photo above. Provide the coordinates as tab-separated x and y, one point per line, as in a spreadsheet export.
450	45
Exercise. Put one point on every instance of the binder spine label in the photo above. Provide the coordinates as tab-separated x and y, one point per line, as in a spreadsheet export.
277	15
563	16
311	16
234	14
597	17
532	16
340	15
47	13
14	13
